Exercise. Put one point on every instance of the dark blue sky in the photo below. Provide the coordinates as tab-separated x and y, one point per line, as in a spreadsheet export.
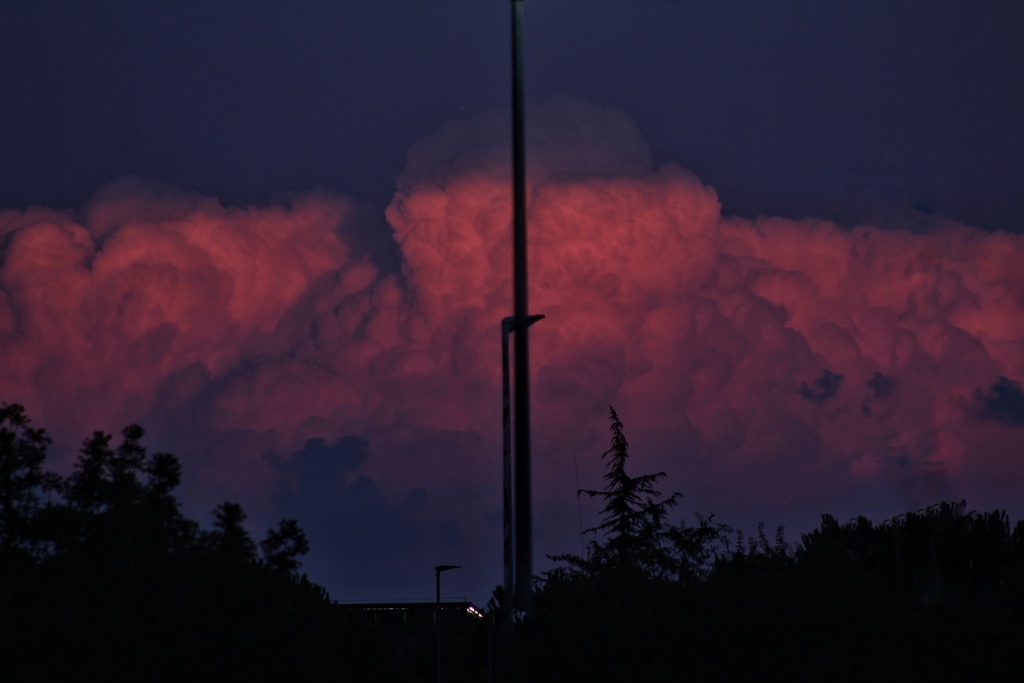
849	111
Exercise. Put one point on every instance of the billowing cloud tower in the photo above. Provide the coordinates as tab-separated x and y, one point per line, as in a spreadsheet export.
774	368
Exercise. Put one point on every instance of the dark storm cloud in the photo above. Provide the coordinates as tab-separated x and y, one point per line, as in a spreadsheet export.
347	518
1003	402
824	388
879	386
322	465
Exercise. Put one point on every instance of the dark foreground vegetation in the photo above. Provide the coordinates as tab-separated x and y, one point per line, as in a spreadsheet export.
103	578
933	595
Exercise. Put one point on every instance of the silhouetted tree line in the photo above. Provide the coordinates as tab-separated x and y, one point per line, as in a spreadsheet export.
103	578
933	595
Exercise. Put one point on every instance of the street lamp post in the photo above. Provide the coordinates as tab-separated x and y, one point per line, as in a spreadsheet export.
506	463
437	611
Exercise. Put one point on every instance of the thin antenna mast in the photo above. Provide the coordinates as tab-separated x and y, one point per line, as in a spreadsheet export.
523	527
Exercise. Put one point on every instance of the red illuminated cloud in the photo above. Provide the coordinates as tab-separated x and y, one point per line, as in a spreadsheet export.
703	329
233	331
153	283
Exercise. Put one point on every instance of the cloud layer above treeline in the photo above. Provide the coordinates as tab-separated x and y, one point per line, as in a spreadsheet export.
772	362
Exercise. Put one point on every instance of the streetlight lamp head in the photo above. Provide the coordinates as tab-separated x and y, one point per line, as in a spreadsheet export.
446	567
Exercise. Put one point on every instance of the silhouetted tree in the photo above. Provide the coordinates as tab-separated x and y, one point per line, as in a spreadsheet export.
120	507
22	482
101	575
633	517
634	540
283	547
230	542
617	611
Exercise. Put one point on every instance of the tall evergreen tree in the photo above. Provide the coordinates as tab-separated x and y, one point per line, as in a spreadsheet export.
635	540
633	519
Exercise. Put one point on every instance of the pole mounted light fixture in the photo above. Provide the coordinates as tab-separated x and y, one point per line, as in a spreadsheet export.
437	610
508	326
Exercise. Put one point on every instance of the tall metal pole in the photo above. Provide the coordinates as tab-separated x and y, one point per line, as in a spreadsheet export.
523	504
